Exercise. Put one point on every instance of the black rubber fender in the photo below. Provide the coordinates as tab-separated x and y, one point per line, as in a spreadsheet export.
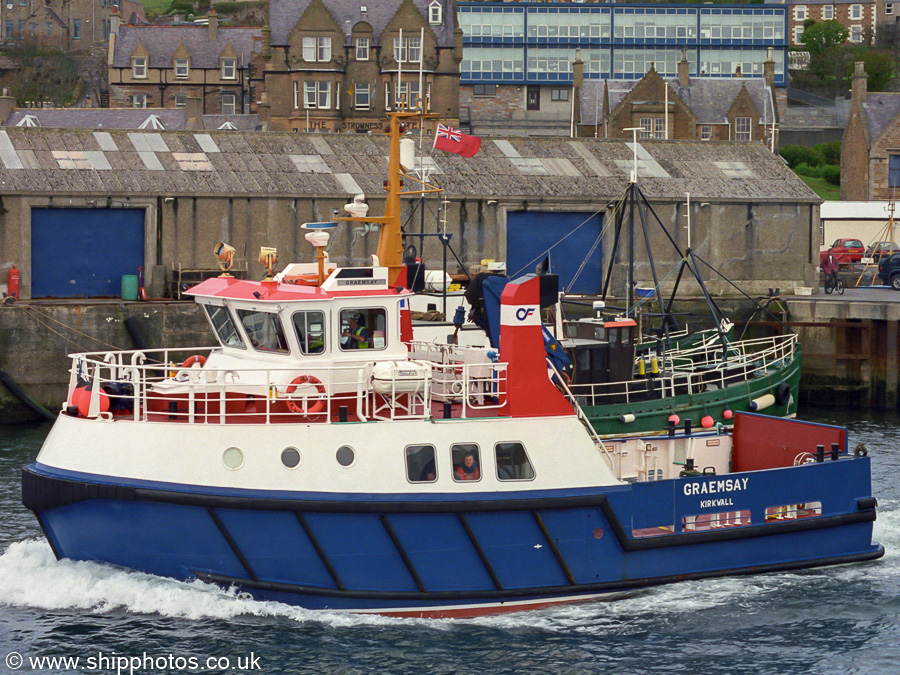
782	393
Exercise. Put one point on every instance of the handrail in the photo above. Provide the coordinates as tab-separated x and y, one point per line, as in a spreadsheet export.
154	385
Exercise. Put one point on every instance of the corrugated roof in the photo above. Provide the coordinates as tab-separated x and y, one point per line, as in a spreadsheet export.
162	41
284	14
243	163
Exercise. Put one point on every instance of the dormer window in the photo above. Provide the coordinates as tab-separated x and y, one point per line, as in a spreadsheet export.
182	68
139	67
229	69
435	13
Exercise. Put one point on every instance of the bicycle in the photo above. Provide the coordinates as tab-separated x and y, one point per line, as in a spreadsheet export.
833	282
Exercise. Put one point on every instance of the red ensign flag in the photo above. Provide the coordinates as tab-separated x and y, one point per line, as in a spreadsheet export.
453	140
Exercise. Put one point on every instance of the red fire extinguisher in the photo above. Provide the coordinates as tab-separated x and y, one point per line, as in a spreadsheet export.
12	282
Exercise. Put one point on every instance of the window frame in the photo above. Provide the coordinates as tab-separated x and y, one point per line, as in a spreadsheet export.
142	98
307	322
894	171
229	64
705	132
76	29
275	323
323	49
739	132
139	67
560	95
362	98
182	68
361	52
217	327
460	450
423	447
856	12
229	95
827	12
180	101
528	463
371	317
435	14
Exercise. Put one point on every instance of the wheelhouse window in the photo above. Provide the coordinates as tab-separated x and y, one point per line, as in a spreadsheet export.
264	330
310	329
420	464
466	462
513	462
224	327
363	329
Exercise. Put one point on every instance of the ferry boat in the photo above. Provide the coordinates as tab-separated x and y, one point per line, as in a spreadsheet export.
318	455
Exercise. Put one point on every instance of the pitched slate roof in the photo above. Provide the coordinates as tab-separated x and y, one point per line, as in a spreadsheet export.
162	41
284	14
879	111
238	163
122	118
709	98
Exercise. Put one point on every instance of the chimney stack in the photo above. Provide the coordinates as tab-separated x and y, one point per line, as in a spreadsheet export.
684	69
769	69
858	91
213	25
193	110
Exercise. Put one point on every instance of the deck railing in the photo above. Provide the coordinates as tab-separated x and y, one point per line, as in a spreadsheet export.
177	385
695	370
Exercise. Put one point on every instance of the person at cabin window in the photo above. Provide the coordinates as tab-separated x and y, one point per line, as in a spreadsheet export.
468	468
355	335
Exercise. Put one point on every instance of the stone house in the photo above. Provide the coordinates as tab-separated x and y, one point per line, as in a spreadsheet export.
861	17
870	151
69	25
161	66
699	108
338	65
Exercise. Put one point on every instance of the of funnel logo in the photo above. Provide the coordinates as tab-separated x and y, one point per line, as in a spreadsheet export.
524	312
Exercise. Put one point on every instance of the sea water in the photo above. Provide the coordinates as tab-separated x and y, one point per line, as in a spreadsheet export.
835	620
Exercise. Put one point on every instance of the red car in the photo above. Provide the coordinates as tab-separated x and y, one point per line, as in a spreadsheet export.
845	251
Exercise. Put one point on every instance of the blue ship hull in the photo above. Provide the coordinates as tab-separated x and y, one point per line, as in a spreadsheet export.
446	555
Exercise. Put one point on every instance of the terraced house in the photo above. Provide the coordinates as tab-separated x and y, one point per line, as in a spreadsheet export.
70	25
161	66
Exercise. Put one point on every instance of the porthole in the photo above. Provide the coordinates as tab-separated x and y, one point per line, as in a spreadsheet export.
290	457
345	455
233	458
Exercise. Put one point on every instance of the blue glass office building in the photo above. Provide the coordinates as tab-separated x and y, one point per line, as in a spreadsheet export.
535	43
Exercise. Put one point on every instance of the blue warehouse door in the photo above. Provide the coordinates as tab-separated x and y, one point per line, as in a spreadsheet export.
77	253
530	233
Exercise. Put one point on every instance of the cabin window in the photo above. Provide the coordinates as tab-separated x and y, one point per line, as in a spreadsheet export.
613	335
420	464
466	462
264	330
310	329
513	462
363	329
225	329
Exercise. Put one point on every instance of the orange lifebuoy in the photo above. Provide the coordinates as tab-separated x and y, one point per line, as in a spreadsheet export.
191	360
296	406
